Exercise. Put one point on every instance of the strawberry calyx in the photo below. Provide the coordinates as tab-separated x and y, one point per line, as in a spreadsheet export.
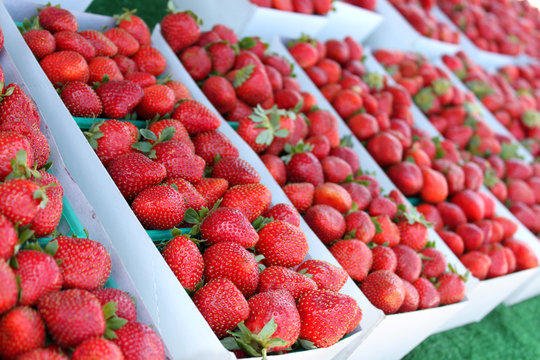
270	121
9	91
93	134
453	270
425	99
254	344
412	216
346	141
112	320
304	38
509	151
305	271
378	226
19	168
29	24
261	222
299	148
147	147
531	118
242	75
126	15
479	88
374	81
440	86
439	151
171	8
490	178
196	218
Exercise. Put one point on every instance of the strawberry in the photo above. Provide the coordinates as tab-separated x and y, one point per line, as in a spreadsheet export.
222	305
135	26
321	149
101	66
67	40
225	33
227	225
179	161
54	19
158	100
354	256
360	226
222	56
451	214
478	264
180	29
410	303
102	44
20	200
304	52
209	145
41	42
525	257
276	167
180	90
12	144
427	293
335	169
285	212
435	187
300	194
212	189
81	100
383	259
433	262
127	45
21	330
150	60
327	223
85	263
236	171
193	199
334	195
9	238
407	177
119	98
409	264
185	261
251	83
325	316
282	244
281	64
110	139
472	235
322	7
159	207
197	62
280	278
303	166
138	341
10	292
382	206
471	203
125	64
195	117
324	123
451	288
97	347
220	93
413	234
15	106
251	199
385	149
64	66
72	316
130	183
389	232
359	194
43	354
125	304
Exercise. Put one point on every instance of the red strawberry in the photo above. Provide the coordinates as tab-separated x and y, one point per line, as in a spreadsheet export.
67	40
433	262
185	260
327	276
222	56
9	238
225	33
477	263
383	259
127	45
81	100
525	257
382	206
135	26
389	232
471	204
212	189
435	187
410	303
72	316
236	171
150	60
385	149
197	62
193	199
360	226
327	223
409	264
124	303
432	215
322	7
179	161
159	207
181	92
300	194
209	145
196	117
119	98
282	244
97	347
384	290
427	293
413	234
41	42
220	93
304	53
499	264
281	278
451	214
334	195
101	66
43	354
228	225
15	106
285	212
54	19
20	200
64	66
138	341
325	316
407	177
10	291
222	305
354	256
110	139
10	145
101	43
157	100
304	167
472	235
276	167
21	330
451	288
130	183
180	30
251	199
252	84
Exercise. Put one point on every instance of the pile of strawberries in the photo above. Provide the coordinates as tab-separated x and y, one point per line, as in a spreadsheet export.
517	111
319	7
53	303
505	27
111	74
418	14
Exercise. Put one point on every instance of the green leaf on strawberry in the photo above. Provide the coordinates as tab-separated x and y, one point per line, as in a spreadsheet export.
490	178
531	118
424	99
441	86
242	75
509	151
479	88
378	227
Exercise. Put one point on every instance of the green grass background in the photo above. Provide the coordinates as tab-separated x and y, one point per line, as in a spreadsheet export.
506	333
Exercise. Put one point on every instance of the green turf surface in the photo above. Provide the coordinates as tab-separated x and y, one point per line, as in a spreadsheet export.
507	333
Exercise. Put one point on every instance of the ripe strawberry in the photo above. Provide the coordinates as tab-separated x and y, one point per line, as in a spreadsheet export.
10	291
97	347
130	183
300	194
334	195
285	212
157	100
8	238
72	316
354	256
383	259
212	189
196	62
43	354
180	30
304	53
127	45
385	149
427	293
360	226
85	263
124	303
236	171
195	117
20	200
410	303
222	56
228	225
407	177
81	100
180	132
451	288
64	66
209	145
185	261
21	330
144	79
179	161
159	207
101	66
409	264
325	316
48	218
275	278
222	305
322	7
471	203
135	26
11	144
451	214
101	43
41	42
110	139
251	199
435	187
251	83
413	234
282	244
138	341
433	263
15	106
327	223
119	98
54	19
359	194
472	235
304	167
525	257
389	232
220	93
382	206
478	264
193	199
72	41
180	90
150	60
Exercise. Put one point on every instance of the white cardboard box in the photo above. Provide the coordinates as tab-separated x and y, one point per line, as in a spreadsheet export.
396	32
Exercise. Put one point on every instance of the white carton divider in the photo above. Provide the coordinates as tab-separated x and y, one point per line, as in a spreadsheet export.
174	314
395	32
419	324
350	20
247	19
317	250
77	5
487	116
487	59
83	210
